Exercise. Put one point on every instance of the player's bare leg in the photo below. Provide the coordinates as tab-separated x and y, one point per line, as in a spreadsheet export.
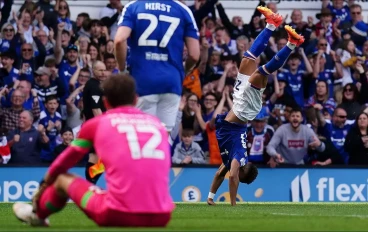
248	64
234	181
216	183
52	200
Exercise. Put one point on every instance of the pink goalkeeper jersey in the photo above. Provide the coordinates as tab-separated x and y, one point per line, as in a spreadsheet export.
134	148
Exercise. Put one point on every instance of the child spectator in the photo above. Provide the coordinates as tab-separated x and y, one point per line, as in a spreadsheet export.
51	121
187	151
67	138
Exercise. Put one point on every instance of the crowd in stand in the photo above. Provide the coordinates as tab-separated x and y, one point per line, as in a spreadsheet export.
314	108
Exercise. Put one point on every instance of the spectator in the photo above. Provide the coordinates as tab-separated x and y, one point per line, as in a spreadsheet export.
110	62
321	100
336	130
30	95
356	143
94	52
9	39
280	103
80	19
189	118
259	135
45	86
28	62
355	29
348	60
210	103
82	44
339	9
63	10
74	118
187	151
109	15
48	42
10	116
67	138
50	17
290	142
295	76
50	120
320	73
7	60
26	142
350	101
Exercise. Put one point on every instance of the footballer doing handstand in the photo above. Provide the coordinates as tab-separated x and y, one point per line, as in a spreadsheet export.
127	141
248	89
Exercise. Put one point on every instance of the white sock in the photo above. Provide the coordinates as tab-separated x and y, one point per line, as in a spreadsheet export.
291	46
211	195
270	27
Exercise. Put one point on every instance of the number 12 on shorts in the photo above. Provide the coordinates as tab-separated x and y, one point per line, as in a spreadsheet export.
149	150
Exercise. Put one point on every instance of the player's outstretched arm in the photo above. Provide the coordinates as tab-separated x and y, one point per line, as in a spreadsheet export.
193	53
120	44
234	181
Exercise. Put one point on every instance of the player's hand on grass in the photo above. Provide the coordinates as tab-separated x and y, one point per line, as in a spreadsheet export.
210	201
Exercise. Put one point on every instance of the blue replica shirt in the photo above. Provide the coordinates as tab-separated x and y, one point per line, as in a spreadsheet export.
337	136
156	43
13	76
4	45
343	14
66	72
45	117
295	84
327	76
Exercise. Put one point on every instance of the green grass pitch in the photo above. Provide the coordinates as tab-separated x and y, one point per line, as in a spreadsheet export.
223	217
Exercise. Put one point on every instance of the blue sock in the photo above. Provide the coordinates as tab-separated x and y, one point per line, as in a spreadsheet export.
277	61
259	44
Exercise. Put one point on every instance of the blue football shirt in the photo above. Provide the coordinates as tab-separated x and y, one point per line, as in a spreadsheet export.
159	29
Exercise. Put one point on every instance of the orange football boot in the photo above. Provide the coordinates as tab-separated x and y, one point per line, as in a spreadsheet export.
271	18
294	37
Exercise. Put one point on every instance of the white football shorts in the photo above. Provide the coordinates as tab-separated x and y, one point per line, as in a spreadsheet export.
164	106
247	98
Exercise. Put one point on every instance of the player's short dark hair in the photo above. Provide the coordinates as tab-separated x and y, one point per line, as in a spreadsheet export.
50	98
248	173
119	90
187	133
